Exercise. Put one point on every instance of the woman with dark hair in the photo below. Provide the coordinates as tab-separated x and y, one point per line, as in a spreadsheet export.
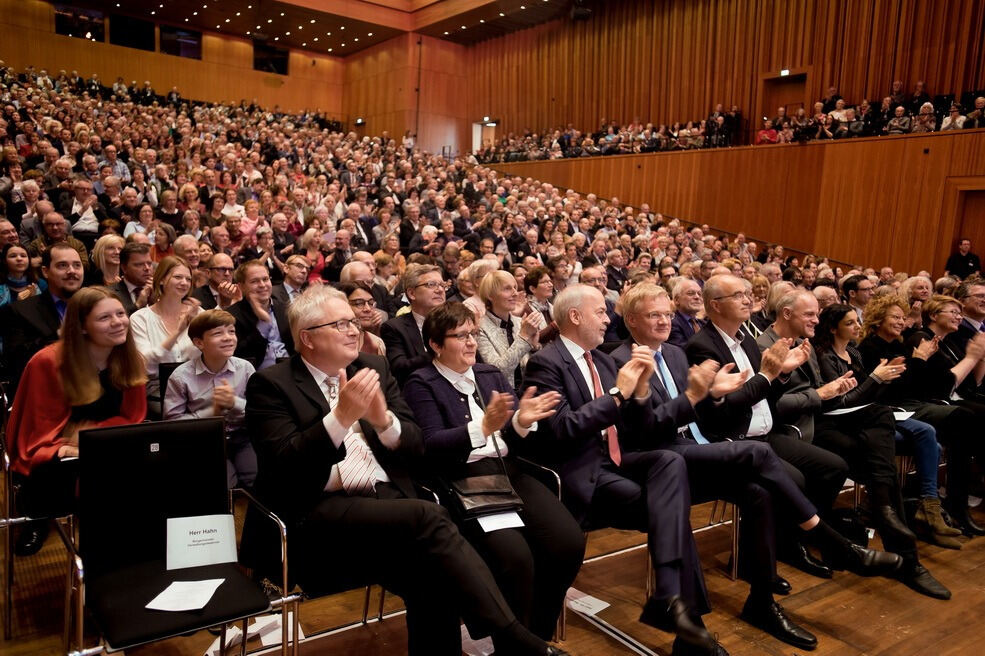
534	565
93	376
144	223
921	390
17	279
363	305
540	291
834	339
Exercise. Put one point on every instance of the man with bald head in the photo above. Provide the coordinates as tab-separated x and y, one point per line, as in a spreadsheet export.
864	437
826	296
604	484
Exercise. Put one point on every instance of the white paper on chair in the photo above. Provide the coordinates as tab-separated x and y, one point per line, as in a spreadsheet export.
185	595
472	647
202	540
270	629
845	411
490	523
233	637
583	603
902	416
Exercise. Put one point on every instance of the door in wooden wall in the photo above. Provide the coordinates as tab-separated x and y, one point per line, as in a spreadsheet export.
789	91
971	221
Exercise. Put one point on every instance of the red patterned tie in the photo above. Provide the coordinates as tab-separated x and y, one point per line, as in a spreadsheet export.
610	433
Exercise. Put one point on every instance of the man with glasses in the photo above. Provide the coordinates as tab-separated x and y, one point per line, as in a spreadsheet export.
220	292
687	305
858	290
334	441
262	332
425	288
295	280
134	288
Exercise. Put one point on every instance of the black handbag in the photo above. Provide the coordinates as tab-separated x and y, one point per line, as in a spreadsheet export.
477	496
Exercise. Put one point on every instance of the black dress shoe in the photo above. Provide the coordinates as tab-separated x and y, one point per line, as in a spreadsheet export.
671	615
918	578
682	648
870	562
770	618
556	651
802	559
781	586
966	524
31	538
888	521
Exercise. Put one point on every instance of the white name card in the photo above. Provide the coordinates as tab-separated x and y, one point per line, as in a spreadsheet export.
201	540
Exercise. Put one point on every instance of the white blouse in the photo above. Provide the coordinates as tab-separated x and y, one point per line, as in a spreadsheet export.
149	333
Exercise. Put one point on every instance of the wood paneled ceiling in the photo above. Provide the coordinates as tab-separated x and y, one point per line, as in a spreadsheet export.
341	27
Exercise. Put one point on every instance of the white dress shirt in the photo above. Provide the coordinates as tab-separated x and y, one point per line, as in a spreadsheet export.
762	419
389	437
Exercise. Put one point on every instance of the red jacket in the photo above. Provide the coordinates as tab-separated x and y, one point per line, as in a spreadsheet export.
41	411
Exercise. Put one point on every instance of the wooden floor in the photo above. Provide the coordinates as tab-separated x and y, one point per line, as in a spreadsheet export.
850	615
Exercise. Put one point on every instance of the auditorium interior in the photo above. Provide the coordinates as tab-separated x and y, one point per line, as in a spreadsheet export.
347	292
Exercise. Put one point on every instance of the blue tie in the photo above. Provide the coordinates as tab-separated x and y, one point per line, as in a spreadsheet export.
668	380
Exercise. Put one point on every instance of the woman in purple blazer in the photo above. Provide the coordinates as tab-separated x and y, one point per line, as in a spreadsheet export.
460	407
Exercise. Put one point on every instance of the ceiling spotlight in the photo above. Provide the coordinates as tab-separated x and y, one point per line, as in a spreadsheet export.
446	33
270	20
342	28
258	27
237	13
276	38
287	33
463	27
356	39
330	50
227	20
523	6
485	119
152	13
248	33
249	6
312	21
186	20
304	44
343	45
217	27
316	38
482	20
194	13
501	14
205	6
281	13
161	6
370	34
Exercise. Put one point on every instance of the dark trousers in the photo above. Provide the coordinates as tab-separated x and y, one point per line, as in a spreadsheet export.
536	564
412	548
649	492
750	475
959	429
818	472
50	489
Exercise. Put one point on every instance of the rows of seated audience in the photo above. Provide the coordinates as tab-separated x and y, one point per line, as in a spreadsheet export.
831	117
369	318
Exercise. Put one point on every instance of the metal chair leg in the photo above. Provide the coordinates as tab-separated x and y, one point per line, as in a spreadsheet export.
369	589
67	626
242	643
379	614
858	494
734	570
8	578
296	627
649	578
222	640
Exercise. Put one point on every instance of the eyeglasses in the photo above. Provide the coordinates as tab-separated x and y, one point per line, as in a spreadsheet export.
432	285
593	281
342	325
737	296
464	337
221	269
362	302
666	316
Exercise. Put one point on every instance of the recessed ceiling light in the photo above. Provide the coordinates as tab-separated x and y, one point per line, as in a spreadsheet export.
370	34
330	50
152	13
217	27
249	6
343	45
523	6
312	21
316	38
356	39
482	20
270	20
463	27
186	20
205	6
304	44
342	28
446	33
281	13
287	33
161	6
248	33
258	27
227	20
237	13
299	27
276	38
194	13
501	14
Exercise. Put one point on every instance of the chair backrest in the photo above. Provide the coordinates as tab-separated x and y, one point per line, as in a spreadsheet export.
164	371
133	478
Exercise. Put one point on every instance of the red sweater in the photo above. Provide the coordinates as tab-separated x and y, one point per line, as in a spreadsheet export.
41	411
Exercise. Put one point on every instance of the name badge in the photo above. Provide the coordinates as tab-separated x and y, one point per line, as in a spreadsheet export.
201	540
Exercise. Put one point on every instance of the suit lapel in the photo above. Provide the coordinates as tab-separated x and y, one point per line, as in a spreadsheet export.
574	371
307	384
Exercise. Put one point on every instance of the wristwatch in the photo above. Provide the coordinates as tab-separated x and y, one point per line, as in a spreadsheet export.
616	392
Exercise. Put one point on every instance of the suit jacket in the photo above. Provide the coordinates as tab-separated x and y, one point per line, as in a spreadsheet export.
681	329
669	413
443	414
729	417
280	295
121	291
204	296
571	441
30	325
800	400
251	345
404	346
370	244
284	412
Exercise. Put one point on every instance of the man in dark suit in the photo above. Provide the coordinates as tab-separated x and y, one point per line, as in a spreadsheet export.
604	485
687	304
134	288
262	332
295	280
220	292
615	270
864	437
334	441
596	277
425	288
744	472
972	297
33	323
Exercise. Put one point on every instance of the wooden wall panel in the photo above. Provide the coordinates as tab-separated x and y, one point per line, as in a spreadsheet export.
224	74
669	60
879	200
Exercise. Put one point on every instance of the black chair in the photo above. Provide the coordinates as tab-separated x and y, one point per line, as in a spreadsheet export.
132	479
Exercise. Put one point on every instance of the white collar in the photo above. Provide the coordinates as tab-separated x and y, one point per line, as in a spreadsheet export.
321	378
730	341
456	378
201	367
576	351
